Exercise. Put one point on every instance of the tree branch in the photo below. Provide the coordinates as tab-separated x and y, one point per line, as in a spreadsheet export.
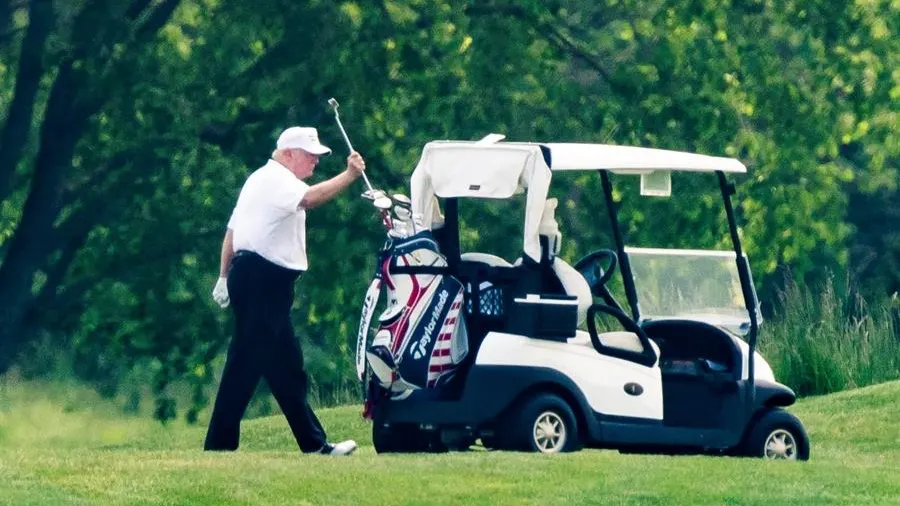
137	8
8	35
555	36
97	178
57	273
71	235
157	19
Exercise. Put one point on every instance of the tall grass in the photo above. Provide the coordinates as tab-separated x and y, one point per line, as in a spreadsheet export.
824	340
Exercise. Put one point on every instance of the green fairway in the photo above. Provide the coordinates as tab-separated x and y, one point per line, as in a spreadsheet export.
59	450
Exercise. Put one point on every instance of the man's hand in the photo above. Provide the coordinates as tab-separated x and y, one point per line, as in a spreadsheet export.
220	293
356	164
320	193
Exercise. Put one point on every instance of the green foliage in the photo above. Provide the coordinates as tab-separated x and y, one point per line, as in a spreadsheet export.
148	116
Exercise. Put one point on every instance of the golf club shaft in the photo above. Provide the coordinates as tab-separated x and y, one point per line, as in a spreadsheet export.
350	146
366	179
343	132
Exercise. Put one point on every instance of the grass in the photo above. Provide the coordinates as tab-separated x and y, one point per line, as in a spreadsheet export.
829	339
70	448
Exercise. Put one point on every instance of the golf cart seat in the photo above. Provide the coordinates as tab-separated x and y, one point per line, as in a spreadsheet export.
484	258
569	280
562	278
573	283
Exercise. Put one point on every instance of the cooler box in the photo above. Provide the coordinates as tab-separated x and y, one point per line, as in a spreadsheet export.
553	317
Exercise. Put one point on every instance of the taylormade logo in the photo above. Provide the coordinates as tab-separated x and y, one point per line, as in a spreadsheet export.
364	319
419	350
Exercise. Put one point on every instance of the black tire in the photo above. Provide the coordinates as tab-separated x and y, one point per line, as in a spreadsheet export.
400	438
405	438
777	434
544	424
497	441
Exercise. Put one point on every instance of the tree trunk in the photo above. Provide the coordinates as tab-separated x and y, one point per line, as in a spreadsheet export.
18	122
65	120
27	252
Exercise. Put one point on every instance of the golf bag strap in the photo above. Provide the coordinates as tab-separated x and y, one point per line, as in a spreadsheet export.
418	269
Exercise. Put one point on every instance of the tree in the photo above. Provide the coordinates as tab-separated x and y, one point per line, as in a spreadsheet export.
102	36
129	128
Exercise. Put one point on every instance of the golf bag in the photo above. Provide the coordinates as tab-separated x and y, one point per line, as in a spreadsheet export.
421	335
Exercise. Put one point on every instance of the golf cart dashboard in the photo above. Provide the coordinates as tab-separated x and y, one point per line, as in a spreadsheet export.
692	348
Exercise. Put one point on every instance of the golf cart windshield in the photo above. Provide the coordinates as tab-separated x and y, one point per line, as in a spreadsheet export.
699	285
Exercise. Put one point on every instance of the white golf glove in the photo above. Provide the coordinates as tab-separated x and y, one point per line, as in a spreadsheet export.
220	293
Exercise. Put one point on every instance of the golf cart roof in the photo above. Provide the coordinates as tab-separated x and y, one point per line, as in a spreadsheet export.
583	156
635	160
498	170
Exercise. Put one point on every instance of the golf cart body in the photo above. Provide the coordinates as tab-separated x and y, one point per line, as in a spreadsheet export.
679	373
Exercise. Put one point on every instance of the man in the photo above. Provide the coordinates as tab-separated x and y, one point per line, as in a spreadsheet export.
263	253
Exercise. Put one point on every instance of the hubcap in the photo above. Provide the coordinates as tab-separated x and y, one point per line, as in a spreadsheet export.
549	432
780	445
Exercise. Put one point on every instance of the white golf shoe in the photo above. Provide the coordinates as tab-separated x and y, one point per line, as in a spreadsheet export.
343	448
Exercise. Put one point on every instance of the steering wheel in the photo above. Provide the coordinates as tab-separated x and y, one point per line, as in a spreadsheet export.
597	268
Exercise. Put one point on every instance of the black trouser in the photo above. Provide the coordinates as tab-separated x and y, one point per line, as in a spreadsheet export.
263	346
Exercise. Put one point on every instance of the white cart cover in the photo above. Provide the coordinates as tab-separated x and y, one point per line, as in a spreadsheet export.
449	169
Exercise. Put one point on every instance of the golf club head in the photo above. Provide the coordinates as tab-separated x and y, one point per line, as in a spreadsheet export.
402	213
373	194
402	200
333	103
382	203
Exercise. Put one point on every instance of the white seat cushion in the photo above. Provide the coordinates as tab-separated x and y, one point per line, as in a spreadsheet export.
574	284
484	258
621	340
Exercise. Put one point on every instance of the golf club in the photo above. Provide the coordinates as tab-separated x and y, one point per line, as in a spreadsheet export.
403	205
378	197
402	200
334	106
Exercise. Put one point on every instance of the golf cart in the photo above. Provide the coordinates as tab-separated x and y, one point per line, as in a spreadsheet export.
539	369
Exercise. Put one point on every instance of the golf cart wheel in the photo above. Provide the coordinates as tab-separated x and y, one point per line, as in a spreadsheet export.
545	424
777	435
405	438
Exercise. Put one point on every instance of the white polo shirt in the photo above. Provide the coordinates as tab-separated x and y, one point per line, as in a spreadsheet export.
267	218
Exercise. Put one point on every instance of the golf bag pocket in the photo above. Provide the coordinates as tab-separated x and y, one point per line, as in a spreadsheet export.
438	342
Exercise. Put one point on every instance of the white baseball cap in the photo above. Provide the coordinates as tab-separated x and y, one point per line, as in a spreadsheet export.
305	138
